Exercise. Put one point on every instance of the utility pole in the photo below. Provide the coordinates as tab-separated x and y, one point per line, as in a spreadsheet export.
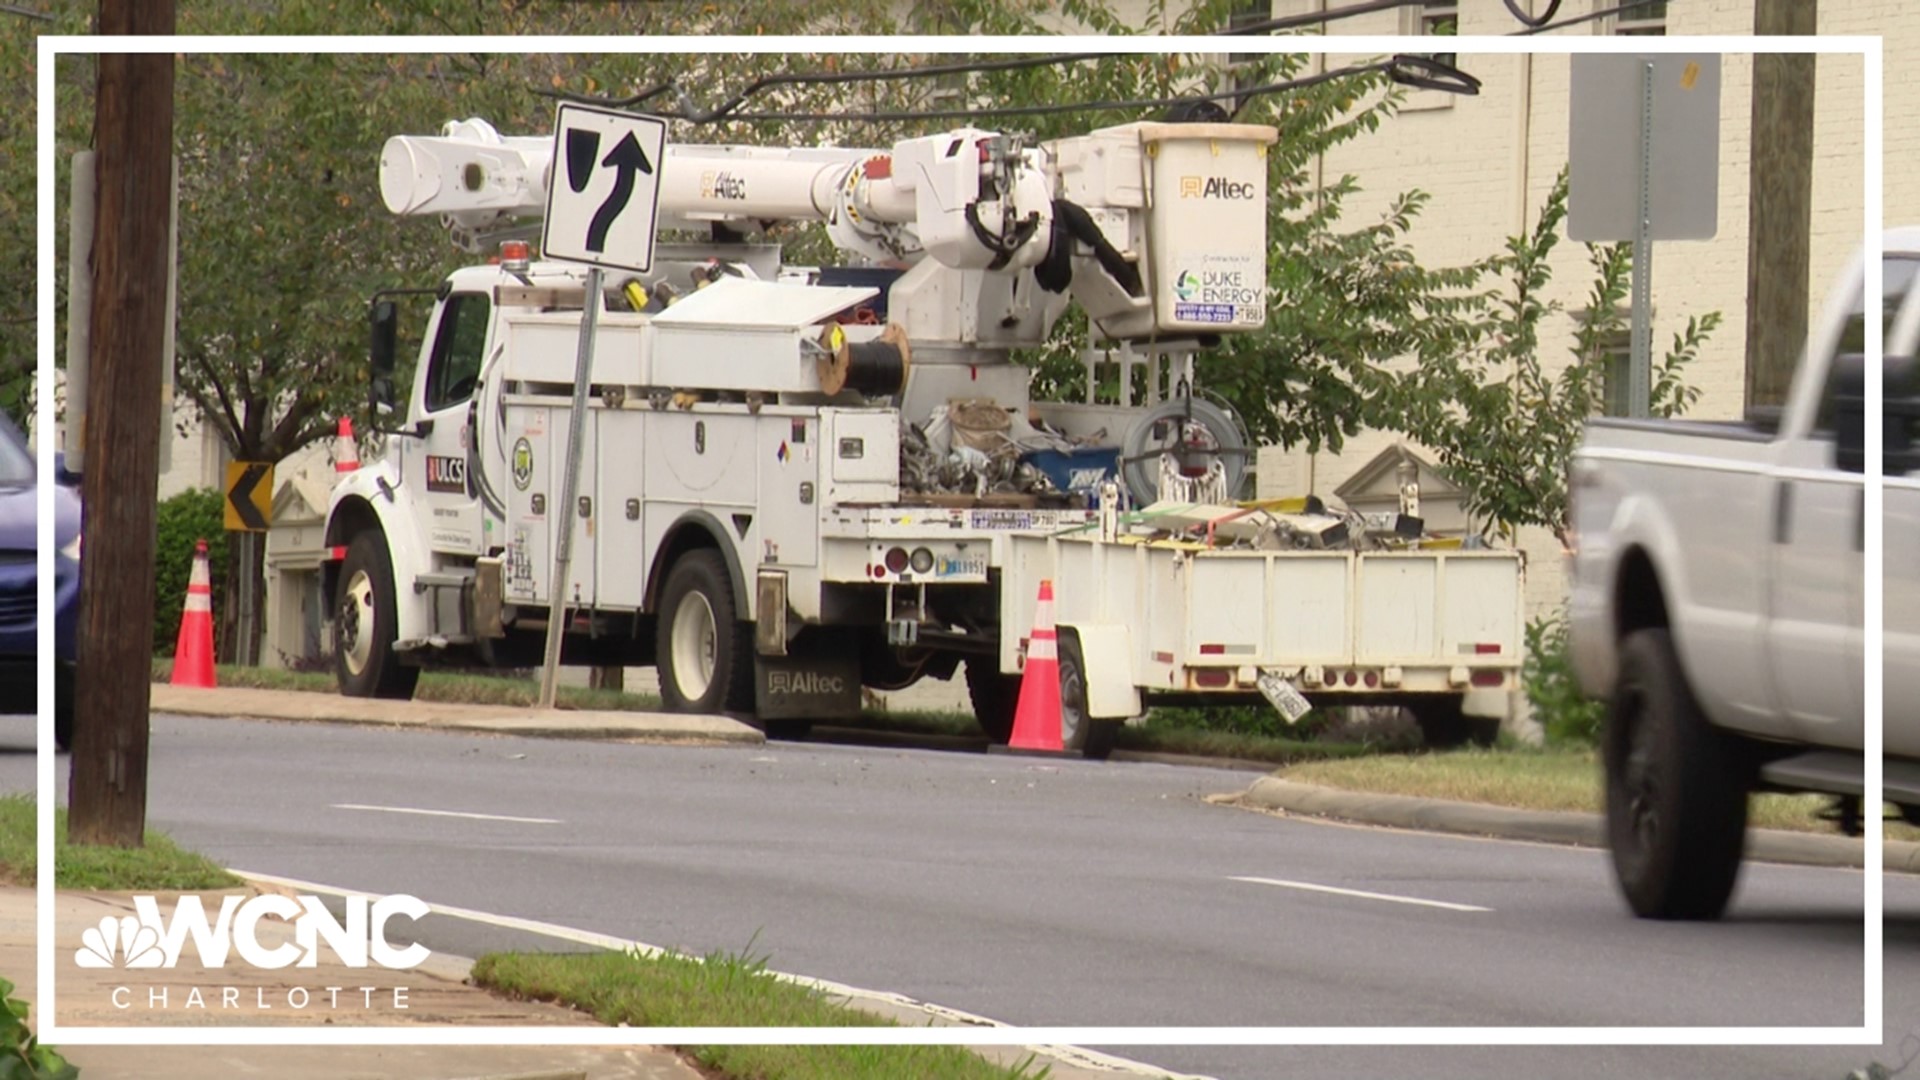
1780	203
133	134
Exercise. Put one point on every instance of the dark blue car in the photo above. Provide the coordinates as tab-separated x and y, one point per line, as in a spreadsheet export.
19	592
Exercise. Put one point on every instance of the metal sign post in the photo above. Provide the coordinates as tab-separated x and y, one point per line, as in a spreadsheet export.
1640	344
601	207
565	512
1643	164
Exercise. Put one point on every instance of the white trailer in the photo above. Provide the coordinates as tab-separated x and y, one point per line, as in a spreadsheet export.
744	520
1140	623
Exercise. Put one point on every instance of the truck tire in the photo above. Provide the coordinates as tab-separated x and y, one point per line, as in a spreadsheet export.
1444	725
365	625
1676	789
1079	731
705	648
994	697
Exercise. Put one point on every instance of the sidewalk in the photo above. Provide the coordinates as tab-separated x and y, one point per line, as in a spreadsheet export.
683	728
436	994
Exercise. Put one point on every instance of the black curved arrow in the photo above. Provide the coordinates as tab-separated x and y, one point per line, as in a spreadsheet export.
626	157
241	497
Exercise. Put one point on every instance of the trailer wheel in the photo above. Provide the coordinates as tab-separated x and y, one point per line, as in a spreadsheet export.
365	624
1078	730
1676	789
705	650
1445	726
994	697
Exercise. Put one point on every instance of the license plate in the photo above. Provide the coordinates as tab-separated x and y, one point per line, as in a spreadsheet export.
1291	703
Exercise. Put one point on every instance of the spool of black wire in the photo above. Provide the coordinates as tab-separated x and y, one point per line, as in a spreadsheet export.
877	368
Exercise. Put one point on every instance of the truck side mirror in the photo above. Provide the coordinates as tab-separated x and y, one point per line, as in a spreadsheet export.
384	320
1901	407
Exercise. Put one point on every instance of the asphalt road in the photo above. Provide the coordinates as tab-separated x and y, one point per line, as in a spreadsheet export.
1041	893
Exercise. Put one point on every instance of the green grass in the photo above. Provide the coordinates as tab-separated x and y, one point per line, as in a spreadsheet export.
673	990
1533	780
160	866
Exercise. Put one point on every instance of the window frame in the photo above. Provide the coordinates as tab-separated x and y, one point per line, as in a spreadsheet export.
455	312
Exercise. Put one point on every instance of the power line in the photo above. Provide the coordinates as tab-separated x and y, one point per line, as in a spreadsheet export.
1290	22
1410	70
726	110
1594	17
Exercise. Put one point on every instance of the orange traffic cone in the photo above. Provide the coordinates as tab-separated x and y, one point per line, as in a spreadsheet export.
193	653
1036	719
346	456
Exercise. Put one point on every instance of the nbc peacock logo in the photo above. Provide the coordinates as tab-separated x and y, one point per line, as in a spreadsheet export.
122	942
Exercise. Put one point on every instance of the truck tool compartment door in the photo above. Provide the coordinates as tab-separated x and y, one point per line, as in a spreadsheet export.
437	463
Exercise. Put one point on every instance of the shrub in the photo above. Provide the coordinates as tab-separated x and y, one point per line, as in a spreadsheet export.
1260	720
1565	714
192	515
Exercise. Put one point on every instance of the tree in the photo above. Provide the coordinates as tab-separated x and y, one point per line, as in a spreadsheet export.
283	235
1503	424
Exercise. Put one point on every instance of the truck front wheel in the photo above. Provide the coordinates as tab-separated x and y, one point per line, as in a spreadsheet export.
705	650
365	624
1676	789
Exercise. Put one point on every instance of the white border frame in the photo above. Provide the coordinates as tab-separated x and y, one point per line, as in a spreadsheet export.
1869	1034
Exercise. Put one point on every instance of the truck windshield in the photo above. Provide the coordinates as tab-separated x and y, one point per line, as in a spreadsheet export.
16	465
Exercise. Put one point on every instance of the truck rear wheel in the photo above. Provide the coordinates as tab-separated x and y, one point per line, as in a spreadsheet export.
365	625
1079	730
994	697
1676	789
705	649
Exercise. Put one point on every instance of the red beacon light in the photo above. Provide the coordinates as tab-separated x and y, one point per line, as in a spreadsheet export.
515	255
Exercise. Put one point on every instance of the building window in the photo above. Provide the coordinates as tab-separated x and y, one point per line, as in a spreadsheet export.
1616	375
1646	20
1247	13
1439	18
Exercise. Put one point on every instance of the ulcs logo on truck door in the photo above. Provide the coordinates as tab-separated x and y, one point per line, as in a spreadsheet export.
447	474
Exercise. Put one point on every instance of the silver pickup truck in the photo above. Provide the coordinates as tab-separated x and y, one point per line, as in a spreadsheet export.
1717	604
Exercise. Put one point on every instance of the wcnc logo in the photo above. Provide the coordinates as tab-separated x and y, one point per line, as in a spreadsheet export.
148	939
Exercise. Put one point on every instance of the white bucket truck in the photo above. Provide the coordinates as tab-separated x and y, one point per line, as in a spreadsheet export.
799	482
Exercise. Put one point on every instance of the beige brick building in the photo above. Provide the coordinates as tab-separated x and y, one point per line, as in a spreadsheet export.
1489	162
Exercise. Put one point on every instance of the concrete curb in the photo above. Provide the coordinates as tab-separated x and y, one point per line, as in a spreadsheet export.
308	706
1544	826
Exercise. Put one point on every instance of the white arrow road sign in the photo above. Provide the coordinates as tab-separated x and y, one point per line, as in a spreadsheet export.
605	190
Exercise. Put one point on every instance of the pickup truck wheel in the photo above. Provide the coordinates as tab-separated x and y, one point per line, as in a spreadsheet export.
706	651
365	625
1676	789
1079	731
994	697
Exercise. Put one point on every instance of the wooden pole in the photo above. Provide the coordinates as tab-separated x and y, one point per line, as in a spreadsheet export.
1780	203
133	125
